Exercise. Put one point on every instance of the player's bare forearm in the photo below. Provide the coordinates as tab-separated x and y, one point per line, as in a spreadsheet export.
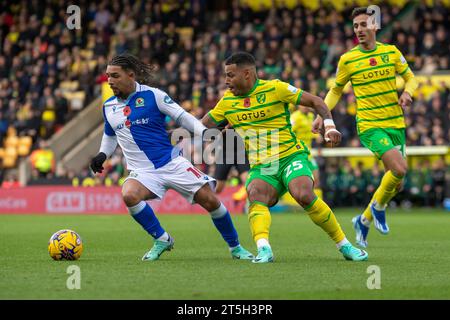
208	122
331	135
317	104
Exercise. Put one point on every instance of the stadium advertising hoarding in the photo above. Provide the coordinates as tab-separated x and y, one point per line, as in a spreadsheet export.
94	200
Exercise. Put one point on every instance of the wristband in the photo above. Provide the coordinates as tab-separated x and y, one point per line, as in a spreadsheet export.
328	122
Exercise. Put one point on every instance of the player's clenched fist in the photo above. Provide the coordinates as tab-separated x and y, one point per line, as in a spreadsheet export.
97	162
332	136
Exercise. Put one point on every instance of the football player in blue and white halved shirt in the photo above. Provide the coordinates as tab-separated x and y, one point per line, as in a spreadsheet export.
135	119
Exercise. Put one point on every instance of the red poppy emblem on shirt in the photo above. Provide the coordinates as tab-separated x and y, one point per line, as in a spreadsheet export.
247	102
126	111
373	62
128	123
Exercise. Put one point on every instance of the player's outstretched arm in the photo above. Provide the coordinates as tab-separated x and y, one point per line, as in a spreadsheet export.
331	134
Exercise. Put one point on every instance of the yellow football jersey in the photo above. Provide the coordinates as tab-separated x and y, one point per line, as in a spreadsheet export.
372	75
301	125
262	119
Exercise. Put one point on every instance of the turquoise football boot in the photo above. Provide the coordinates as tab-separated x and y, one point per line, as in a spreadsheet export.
264	255
158	248
352	253
241	253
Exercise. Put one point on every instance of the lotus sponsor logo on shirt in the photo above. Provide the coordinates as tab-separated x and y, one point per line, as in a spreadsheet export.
377	73
251	115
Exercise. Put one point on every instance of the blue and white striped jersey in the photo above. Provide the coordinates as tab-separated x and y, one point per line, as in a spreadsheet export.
139	126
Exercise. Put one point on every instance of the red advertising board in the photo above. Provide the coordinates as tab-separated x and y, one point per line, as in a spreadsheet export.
95	200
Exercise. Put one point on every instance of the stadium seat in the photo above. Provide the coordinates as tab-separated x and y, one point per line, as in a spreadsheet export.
23	150
11	152
11	131
9	162
87	54
77	100
69	85
25	141
11	142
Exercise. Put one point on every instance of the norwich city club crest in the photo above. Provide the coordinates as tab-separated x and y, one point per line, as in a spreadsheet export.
385	58
261	98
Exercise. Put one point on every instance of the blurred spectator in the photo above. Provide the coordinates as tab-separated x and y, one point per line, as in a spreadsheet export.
43	160
439	178
10	181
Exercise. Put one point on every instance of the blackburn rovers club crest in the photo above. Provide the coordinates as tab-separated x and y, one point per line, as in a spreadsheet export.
385	58
139	102
247	102
373	62
261	98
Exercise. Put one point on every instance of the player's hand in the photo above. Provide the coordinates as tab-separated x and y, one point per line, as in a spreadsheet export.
405	100
332	136
97	162
317	125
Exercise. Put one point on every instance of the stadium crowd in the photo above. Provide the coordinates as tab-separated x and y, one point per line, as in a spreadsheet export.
44	65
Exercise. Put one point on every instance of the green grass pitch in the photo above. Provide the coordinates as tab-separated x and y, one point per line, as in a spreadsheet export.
414	259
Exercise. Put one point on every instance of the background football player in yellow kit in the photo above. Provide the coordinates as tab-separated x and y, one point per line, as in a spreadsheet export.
371	68
302	120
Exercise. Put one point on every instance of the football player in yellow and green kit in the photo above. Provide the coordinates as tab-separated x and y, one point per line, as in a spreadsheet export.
371	68
258	110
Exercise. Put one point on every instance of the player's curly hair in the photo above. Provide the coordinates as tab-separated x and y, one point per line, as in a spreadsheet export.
130	62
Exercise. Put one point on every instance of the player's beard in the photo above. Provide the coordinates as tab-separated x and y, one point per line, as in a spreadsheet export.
119	94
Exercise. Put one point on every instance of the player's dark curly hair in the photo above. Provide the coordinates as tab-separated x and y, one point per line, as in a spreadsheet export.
130	62
241	59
